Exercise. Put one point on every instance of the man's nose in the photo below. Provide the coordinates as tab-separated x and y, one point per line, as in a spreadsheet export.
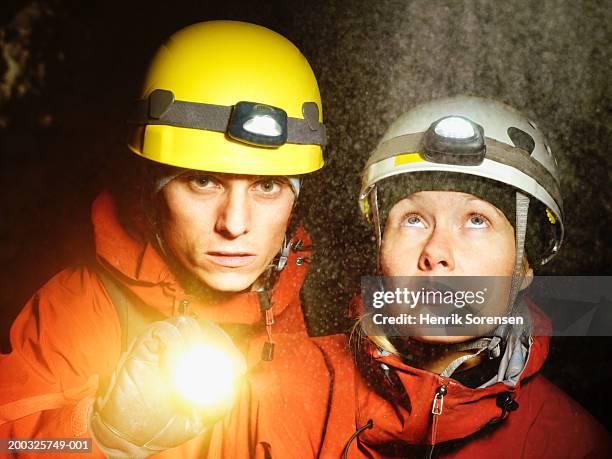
437	254
234	217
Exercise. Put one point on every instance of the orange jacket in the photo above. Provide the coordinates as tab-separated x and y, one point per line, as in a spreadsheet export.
545	424
67	340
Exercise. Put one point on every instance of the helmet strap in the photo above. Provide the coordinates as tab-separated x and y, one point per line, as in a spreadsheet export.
373	197
518	274
522	210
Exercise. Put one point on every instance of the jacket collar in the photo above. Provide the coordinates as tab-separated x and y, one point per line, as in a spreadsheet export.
401	405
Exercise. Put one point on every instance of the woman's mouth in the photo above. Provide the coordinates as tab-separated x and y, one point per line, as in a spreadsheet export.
231	259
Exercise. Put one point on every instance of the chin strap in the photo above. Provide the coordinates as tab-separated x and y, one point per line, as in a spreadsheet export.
518	274
376	222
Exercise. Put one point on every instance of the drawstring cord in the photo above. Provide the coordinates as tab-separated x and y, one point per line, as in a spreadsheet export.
265	291
367	426
265	302
506	402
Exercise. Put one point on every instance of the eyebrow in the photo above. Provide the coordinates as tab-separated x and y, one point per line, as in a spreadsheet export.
474	198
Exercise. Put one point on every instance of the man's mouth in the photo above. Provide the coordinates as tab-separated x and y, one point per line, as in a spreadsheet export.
230	259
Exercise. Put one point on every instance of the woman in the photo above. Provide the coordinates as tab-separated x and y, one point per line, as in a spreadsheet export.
464	187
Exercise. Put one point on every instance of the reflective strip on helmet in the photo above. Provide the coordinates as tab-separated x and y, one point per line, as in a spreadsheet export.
407	158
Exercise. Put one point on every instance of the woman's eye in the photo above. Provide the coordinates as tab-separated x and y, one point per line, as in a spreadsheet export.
413	221
477	221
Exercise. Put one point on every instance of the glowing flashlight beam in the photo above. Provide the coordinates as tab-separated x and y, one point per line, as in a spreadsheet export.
205	375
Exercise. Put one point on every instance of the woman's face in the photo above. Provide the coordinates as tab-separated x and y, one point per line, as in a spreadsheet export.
446	233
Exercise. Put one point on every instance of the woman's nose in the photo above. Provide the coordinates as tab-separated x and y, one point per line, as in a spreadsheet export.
437	254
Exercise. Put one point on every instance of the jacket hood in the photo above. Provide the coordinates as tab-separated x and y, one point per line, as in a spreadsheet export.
139	267
400	403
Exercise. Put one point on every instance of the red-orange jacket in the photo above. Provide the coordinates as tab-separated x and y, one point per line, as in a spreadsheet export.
67	340
546	423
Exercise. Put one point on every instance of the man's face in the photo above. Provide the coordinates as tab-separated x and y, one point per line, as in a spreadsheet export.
225	229
444	233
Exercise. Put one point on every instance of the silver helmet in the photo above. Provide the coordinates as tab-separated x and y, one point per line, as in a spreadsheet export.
480	138
474	136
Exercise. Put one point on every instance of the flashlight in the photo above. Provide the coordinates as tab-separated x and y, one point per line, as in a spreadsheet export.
203	367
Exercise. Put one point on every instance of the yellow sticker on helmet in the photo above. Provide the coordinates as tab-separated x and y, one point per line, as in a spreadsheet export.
366	209
408	158
551	217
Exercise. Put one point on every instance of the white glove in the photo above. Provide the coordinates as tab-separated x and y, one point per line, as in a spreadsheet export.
141	412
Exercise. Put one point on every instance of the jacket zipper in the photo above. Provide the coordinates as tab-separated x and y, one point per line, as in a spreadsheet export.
436	411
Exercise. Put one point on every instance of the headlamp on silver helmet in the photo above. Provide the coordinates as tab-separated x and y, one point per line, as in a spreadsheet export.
454	140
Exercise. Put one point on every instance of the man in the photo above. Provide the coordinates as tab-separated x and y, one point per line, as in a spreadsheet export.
228	122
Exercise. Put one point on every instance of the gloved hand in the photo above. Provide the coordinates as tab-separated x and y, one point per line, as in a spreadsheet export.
141	411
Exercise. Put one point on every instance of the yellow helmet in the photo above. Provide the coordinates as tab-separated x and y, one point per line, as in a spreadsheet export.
226	96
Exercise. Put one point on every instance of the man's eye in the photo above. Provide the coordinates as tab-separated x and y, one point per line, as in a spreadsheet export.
477	221
203	181
268	186
413	221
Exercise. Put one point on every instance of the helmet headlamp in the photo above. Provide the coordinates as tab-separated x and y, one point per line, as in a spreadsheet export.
454	140
258	124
